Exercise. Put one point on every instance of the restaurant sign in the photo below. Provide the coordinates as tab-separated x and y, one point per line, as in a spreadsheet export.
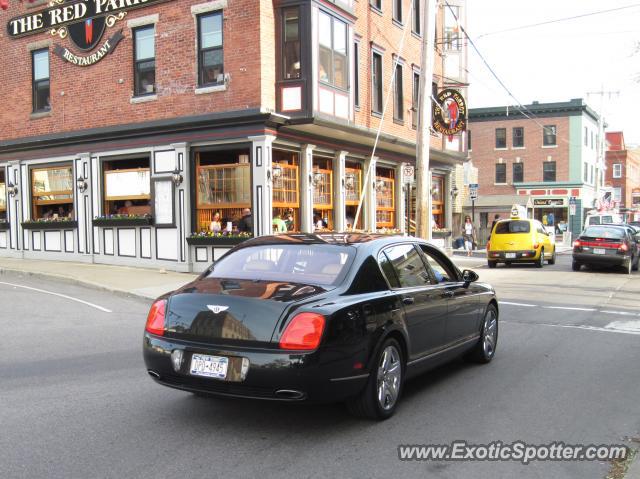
83	22
450	112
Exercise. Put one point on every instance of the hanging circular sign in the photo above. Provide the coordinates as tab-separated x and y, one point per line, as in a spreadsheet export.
450	112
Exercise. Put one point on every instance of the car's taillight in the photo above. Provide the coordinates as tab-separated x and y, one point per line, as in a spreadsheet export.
577	244
155	320
303	332
488	245
536	245
623	247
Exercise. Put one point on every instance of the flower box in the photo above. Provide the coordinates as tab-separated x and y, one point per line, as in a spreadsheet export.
4	225
50	225
216	240
111	222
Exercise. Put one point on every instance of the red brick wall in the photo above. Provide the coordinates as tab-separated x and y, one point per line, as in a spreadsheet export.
533	155
380	29
93	96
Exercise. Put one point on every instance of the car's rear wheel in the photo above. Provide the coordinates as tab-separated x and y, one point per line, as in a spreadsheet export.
485	348
635	265
492	264
540	262
553	257
380	397
575	266
628	266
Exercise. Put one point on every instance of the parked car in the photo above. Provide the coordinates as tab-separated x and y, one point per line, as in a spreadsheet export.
520	240
600	218
607	245
320	318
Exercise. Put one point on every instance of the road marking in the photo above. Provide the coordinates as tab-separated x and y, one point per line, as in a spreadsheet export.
569	308
622	313
71	298
606	329
518	304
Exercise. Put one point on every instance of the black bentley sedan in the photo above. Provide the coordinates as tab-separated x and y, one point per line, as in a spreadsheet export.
607	245
323	318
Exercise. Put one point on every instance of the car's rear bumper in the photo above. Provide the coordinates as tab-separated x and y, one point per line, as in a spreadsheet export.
522	256
601	259
272	375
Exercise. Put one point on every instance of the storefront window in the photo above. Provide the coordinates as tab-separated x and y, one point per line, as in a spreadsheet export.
437	201
353	189
385	198
223	188
127	187
3	196
52	192
286	204
321	178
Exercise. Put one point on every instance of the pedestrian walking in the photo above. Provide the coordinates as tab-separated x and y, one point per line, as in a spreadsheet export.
469	235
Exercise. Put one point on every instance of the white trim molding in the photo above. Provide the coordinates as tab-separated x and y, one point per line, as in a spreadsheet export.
146	20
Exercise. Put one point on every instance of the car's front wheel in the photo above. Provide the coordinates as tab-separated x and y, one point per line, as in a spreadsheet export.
553	257
380	397
485	348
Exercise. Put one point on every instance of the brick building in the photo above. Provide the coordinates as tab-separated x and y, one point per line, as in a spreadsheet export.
171	112
623	175
541	159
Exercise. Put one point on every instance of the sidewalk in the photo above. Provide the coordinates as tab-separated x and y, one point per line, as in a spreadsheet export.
141	282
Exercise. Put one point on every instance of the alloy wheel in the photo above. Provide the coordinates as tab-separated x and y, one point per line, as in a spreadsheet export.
389	377
490	333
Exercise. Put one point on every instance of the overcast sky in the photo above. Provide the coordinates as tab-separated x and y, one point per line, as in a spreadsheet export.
558	61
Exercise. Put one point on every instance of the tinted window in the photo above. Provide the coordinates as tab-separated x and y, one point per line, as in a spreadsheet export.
442	271
368	279
509	227
388	271
407	265
603	232
308	264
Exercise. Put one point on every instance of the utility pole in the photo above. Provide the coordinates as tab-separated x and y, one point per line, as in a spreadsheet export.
423	178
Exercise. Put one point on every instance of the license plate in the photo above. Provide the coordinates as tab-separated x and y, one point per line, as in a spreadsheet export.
510	255
209	366
599	251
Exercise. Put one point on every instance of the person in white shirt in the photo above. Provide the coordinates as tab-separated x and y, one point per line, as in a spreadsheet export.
468	234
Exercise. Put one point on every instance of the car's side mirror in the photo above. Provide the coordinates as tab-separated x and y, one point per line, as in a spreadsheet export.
469	276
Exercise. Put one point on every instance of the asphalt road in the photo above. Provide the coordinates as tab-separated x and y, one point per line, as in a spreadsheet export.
76	402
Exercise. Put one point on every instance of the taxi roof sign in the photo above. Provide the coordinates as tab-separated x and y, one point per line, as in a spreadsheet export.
518	211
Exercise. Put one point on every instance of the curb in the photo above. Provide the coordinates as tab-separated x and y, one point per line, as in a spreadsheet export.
76	281
634	469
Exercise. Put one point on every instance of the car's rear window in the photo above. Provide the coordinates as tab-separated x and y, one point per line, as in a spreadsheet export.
515	226
603	232
304	263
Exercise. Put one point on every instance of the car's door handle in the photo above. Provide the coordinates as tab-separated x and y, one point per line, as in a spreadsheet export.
408	300
448	294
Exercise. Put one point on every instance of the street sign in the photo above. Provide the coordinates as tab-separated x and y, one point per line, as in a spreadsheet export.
473	191
572	200
408	173
572	209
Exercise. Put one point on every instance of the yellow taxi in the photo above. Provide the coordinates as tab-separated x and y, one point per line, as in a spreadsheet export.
520	240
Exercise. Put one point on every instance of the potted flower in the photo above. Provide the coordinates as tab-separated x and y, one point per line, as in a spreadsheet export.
123	220
53	223
205	237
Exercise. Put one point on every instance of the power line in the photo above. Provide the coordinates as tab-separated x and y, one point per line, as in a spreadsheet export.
557	20
522	108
